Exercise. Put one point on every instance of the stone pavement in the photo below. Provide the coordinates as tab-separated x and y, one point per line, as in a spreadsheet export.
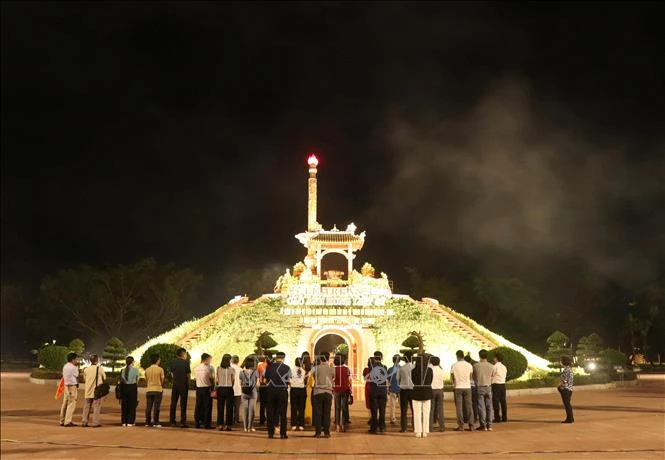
622	423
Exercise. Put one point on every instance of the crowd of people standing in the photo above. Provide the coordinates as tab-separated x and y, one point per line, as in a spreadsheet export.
313	387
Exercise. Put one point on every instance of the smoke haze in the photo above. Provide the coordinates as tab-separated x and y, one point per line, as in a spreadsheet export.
504	180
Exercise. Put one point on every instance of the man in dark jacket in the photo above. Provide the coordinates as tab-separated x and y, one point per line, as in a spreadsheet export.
276	377
378	378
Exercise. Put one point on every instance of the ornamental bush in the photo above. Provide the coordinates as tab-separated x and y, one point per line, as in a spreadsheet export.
166	351
114	353
53	357
514	361
77	346
611	357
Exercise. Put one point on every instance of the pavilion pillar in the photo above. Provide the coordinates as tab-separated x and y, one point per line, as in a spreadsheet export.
318	263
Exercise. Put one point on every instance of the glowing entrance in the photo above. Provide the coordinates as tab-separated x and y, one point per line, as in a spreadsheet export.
332	343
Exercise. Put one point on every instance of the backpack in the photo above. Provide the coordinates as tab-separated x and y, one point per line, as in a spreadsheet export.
248	383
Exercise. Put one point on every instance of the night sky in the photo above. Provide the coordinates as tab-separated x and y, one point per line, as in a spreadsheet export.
465	138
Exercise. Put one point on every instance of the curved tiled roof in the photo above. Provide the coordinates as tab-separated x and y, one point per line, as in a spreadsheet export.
336	237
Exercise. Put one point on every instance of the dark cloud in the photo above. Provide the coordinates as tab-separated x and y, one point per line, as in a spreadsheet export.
447	131
504	179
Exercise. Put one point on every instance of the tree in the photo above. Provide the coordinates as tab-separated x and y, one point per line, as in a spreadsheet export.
612	358
515	362
264	344
342	349
506	296
114	351
130	300
411	344
557	346
17	335
52	357
253	282
168	352
77	346
589	349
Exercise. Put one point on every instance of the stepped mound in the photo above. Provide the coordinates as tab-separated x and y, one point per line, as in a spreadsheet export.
233	328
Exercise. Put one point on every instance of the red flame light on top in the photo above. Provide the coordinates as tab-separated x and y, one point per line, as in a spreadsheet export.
312	161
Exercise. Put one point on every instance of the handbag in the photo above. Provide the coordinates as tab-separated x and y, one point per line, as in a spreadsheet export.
102	389
350	399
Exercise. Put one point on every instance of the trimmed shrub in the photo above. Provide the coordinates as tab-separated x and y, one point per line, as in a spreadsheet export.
611	357
53	357
45	374
166	351
114	353
77	346
514	361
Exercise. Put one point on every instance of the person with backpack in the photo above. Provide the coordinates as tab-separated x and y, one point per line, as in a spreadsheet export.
94	375
128	394
298	395
378	378
276	378
248	382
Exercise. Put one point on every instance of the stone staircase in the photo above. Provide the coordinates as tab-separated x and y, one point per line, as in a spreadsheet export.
192	337
461	328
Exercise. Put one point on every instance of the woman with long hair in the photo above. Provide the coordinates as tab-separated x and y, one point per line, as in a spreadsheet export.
248	382
368	387
306	363
298	390
421	395
341	391
225	380
128	383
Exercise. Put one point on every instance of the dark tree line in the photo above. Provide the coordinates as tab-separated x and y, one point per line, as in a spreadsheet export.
626	317
131	301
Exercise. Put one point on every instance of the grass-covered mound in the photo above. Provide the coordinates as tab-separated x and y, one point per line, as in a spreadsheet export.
234	331
440	339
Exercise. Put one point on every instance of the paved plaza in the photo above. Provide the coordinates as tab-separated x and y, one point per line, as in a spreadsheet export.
621	423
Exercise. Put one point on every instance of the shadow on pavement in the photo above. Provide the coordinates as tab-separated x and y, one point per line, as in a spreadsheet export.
594	408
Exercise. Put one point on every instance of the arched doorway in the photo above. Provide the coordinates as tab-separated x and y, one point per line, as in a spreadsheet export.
330	343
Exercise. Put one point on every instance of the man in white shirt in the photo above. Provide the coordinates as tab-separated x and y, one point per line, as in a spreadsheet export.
70	377
436	413
237	389
499	389
94	375
205	382
461	374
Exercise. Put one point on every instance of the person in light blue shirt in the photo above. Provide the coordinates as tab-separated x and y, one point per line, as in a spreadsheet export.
129	377
393	389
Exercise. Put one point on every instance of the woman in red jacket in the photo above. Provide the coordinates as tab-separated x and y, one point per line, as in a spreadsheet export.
341	391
